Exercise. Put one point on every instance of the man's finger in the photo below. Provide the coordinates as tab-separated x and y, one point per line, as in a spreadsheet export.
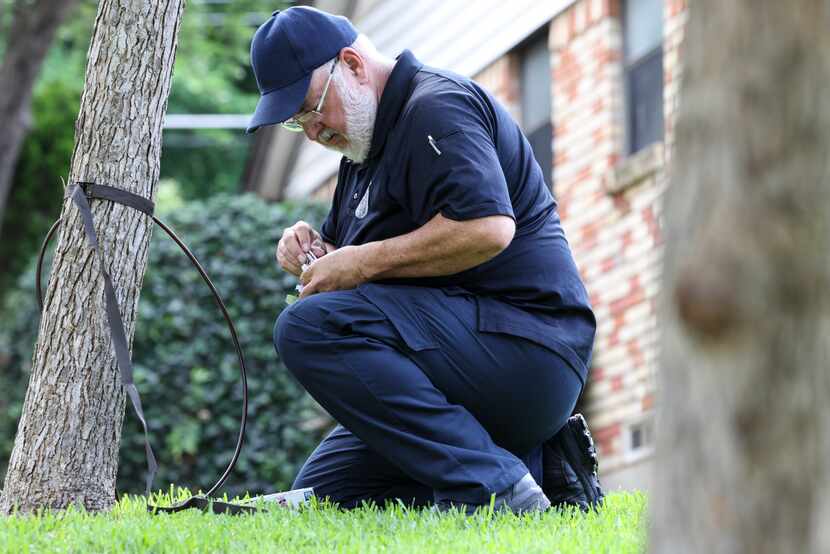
303	232
295	249
289	244
306	275
287	262
308	289
318	247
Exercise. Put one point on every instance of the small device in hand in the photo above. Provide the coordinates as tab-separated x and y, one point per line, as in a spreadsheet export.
310	257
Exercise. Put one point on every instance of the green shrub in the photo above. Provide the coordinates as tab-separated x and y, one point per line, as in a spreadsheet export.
185	365
36	192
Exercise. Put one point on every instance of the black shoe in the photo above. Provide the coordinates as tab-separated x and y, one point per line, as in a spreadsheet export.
523	496
570	469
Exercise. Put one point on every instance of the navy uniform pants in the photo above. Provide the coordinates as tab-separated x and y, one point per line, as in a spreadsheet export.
429	408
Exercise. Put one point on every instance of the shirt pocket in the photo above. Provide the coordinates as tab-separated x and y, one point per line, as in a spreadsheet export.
437	143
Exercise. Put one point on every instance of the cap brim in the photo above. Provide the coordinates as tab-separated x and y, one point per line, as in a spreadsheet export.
280	104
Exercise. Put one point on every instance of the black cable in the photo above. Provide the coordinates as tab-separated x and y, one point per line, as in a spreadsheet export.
234	337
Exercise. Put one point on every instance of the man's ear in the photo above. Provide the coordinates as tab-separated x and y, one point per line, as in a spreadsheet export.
355	63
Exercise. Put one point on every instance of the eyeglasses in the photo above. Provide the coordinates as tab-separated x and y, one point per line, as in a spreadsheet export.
297	123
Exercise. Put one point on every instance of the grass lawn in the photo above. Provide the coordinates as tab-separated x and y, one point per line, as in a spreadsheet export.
618	528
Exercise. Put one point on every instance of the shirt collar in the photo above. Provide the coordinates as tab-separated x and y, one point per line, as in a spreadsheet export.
395	93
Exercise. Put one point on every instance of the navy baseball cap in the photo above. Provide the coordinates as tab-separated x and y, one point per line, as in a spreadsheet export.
285	51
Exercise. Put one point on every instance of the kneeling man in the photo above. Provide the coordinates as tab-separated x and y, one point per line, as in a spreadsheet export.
442	321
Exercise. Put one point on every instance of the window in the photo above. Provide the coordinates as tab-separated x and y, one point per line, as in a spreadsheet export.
537	101
643	57
640	439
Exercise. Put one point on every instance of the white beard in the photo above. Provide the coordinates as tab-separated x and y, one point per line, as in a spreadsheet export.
360	110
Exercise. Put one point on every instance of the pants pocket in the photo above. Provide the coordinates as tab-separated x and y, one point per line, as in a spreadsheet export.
400	304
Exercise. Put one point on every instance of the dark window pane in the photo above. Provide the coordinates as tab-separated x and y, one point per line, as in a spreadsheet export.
540	141
536	94
645	101
643	26
536	86
636	437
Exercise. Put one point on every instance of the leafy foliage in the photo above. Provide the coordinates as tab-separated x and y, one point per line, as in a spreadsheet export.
211	75
185	364
36	193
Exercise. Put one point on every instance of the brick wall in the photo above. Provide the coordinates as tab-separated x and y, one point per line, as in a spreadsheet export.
501	78
674	21
610	207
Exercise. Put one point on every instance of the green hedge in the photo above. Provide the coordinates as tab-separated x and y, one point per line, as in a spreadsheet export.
186	367
36	191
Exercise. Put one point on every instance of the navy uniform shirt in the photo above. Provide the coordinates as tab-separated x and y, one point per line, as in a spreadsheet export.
443	144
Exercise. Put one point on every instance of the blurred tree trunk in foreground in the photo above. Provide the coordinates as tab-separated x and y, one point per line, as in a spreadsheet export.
66	449
744	425
30	34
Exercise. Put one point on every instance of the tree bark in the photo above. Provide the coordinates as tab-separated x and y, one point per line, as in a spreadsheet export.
34	25
66	449
744	420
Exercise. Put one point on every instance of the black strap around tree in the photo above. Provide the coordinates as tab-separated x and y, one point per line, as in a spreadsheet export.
80	193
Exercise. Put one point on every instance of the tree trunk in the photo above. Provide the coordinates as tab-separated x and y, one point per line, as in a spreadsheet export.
744	420
34	25
66	449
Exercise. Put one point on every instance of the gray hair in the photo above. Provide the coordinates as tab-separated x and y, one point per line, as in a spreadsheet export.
364	47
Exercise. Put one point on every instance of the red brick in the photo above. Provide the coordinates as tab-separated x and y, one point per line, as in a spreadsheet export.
563	74
588	234
627	239
676	7
608	55
572	22
632	298
572	91
653	225
635	352
604	435
621	204
589	13
614	337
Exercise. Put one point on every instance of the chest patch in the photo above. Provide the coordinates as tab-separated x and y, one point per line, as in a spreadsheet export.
363	208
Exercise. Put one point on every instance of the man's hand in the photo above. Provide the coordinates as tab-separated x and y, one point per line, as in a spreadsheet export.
295	242
339	270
